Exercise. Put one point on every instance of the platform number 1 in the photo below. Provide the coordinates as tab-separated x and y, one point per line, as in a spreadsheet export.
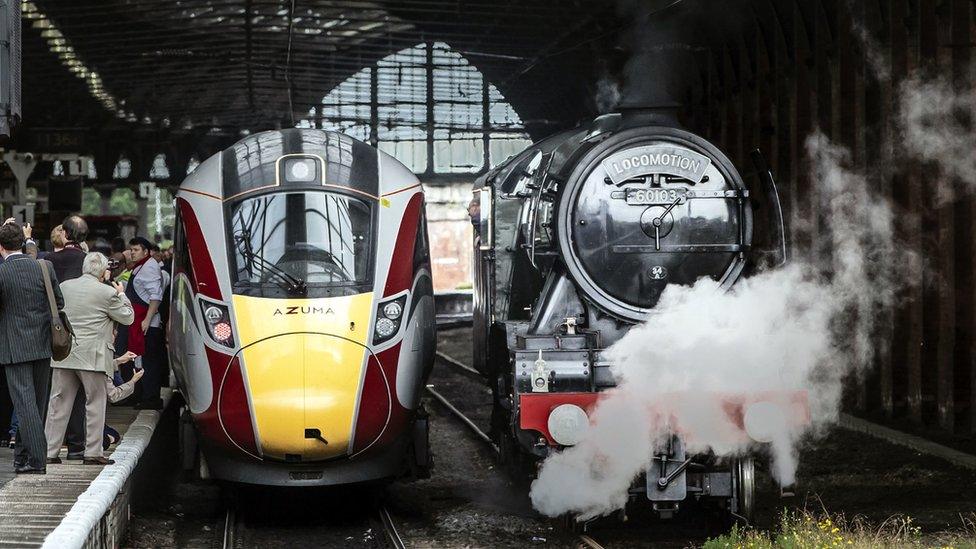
23	213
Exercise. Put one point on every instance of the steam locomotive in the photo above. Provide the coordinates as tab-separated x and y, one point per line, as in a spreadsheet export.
576	239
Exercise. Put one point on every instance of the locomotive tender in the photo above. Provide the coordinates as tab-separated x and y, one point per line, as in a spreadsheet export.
302	316
576	239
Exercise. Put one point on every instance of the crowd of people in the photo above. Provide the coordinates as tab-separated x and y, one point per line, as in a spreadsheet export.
113	305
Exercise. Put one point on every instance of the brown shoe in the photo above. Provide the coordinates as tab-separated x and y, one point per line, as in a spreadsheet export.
98	461
53	461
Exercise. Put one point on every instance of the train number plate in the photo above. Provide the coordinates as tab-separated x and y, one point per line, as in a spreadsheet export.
647	197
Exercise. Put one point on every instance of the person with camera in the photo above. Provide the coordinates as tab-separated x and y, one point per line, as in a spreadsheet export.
67	264
26	342
93	304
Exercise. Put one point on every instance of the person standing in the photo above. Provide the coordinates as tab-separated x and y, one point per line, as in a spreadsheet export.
91	307
145	291
6	405
67	264
25	344
67	261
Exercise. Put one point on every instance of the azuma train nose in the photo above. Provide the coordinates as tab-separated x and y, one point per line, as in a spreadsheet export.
303	389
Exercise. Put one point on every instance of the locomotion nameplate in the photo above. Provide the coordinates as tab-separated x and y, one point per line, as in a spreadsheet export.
653	159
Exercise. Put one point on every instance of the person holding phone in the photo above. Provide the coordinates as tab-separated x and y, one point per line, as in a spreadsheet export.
93	307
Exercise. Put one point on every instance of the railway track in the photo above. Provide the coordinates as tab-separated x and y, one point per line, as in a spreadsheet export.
233	528
390	534
232	535
587	542
582	541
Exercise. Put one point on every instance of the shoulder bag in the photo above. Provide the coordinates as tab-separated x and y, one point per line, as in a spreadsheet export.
61	332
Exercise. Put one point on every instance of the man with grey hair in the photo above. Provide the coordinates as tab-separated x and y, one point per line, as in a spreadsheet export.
92	307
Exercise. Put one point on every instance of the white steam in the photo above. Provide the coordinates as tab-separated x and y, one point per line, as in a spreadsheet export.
607	94
805	327
935	121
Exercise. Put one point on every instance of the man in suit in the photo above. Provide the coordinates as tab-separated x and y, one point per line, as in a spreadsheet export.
8	422
25	344
67	265
93	308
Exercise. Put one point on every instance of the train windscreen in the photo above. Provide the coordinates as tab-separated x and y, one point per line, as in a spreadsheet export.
300	243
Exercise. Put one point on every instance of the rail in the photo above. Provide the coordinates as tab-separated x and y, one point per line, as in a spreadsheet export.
463	418
389	529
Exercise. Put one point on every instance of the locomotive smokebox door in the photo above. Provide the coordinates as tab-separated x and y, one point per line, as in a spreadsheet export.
666	473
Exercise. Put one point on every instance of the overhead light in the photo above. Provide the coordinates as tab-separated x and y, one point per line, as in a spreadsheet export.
56	42
51	33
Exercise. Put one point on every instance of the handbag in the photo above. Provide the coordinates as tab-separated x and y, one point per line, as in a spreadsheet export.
61	332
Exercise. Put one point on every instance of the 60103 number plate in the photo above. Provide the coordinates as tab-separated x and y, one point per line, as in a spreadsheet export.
646	197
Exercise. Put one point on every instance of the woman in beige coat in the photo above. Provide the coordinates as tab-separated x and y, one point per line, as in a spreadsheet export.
92	308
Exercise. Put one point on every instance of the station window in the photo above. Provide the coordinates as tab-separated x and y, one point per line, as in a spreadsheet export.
422	100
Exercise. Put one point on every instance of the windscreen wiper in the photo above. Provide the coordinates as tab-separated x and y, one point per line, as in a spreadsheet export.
286	280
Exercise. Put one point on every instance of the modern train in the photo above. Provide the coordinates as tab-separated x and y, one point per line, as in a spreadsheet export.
576	239
302	317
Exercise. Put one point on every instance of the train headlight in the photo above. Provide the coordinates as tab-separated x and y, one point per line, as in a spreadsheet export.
300	170
213	313
392	310
568	424
385	328
764	420
217	319
389	315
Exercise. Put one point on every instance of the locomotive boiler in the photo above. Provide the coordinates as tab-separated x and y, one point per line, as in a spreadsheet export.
576	239
302	318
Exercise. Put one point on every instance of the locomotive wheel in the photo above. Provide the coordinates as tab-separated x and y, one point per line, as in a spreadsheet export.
516	463
744	483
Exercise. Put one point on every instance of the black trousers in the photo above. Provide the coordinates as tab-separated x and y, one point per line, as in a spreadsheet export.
153	363
75	435
28	383
6	407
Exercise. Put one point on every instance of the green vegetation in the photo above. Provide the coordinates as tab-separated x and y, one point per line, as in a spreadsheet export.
806	530
123	202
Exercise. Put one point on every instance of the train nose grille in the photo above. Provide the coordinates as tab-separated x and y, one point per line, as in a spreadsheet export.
303	390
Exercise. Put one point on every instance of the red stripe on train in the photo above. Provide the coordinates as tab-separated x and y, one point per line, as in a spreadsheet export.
204	274
227	422
381	418
401	272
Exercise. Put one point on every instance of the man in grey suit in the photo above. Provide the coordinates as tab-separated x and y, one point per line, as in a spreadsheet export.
93	308
25	344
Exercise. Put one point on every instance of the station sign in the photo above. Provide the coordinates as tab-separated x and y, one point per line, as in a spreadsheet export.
23	213
57	140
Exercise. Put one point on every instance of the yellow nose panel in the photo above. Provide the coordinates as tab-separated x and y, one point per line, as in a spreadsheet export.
299	380
261	317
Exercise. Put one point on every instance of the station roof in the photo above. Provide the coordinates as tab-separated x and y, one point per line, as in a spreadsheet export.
147	70
248	64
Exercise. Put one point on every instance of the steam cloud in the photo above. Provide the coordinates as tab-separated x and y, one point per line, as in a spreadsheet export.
935	122
801	327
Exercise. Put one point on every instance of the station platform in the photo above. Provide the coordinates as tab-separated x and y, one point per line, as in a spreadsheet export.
76	505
